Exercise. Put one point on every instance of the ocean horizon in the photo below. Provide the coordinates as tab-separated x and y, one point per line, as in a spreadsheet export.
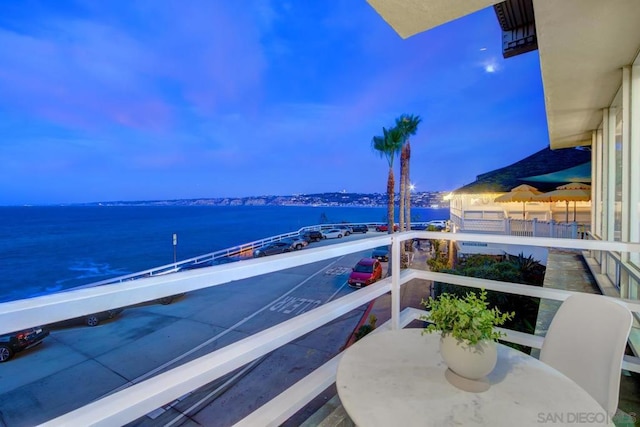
47	249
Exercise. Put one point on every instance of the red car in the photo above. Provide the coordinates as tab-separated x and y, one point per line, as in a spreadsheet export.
385	227
366	272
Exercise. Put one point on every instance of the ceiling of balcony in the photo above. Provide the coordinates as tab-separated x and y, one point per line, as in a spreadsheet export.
583	44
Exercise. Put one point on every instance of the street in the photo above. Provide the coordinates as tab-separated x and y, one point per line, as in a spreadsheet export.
78	364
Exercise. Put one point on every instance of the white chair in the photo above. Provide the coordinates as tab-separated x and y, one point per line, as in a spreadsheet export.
586	341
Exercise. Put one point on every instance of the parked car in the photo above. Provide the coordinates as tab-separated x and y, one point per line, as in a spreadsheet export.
312	236
170	299
93	319
15	342
218	261
366	272
296	242
334	233
385	227
419	226
273	248
381	253
439	224
359	228
345	228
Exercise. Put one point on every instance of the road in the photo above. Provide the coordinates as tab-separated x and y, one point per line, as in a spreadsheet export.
78	364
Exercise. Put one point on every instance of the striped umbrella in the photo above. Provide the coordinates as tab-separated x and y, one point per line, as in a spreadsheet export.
572	192
522	193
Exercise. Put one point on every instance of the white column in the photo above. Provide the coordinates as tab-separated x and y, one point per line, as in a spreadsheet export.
395	282
634	160
596	183
626	165
610	172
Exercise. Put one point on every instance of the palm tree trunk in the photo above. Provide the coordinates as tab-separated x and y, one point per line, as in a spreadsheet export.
390	212
407	203
403	185
390	202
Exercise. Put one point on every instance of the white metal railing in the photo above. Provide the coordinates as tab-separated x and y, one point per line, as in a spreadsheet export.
518	227
131	403
242	251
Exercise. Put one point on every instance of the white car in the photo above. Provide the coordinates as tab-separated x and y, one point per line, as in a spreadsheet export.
334	233
297	243
440	224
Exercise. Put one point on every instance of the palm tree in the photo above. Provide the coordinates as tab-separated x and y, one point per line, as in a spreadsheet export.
408	126
388	146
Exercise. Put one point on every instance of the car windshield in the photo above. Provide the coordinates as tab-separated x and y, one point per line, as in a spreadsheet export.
363	268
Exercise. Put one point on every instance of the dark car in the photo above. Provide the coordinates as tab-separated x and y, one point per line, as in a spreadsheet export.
17	341
95	318
272	249
366	272
312	236
217	261
92	319
381	253
359	228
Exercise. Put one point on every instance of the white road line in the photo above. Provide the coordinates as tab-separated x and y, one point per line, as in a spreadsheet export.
336	292
193	407
220	335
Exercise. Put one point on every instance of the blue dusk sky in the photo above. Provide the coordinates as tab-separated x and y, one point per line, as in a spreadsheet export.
165	99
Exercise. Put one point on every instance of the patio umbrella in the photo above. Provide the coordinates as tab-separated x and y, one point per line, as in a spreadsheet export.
522	193
572	192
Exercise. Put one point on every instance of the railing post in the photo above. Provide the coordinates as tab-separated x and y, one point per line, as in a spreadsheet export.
507	226
534	227
552	228
395	282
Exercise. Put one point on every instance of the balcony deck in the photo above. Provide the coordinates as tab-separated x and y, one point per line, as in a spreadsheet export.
566	270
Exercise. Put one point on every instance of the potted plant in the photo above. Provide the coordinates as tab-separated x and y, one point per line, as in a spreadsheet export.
468	334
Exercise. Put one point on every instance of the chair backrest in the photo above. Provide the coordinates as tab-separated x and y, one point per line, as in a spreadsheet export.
586	341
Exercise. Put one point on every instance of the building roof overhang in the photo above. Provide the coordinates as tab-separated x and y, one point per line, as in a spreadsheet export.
583	46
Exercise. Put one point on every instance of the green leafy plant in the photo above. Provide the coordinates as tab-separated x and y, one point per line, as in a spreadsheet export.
468	318
366	328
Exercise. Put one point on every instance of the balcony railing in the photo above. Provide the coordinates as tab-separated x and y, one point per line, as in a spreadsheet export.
142	398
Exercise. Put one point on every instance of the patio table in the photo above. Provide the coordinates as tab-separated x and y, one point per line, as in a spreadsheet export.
399	378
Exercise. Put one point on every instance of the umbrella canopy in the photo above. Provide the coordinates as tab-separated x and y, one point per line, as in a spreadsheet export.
572	192
522	193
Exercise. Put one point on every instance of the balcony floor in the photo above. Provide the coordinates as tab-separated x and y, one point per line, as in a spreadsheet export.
566	269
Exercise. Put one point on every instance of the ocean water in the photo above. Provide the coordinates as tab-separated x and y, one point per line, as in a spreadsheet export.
52	248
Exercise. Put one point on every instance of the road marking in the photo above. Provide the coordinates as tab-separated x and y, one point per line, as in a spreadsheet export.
336	292
289	304
218	390
337	271
220	335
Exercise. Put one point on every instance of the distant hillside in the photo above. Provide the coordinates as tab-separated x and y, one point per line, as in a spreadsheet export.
422	199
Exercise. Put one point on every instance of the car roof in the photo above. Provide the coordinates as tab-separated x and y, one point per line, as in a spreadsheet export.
367	261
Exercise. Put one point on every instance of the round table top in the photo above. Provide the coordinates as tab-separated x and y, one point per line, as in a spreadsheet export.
398	378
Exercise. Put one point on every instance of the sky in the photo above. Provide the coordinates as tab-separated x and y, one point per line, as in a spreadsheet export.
172	99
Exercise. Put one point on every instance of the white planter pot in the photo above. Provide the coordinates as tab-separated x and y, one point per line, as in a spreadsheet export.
472	362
